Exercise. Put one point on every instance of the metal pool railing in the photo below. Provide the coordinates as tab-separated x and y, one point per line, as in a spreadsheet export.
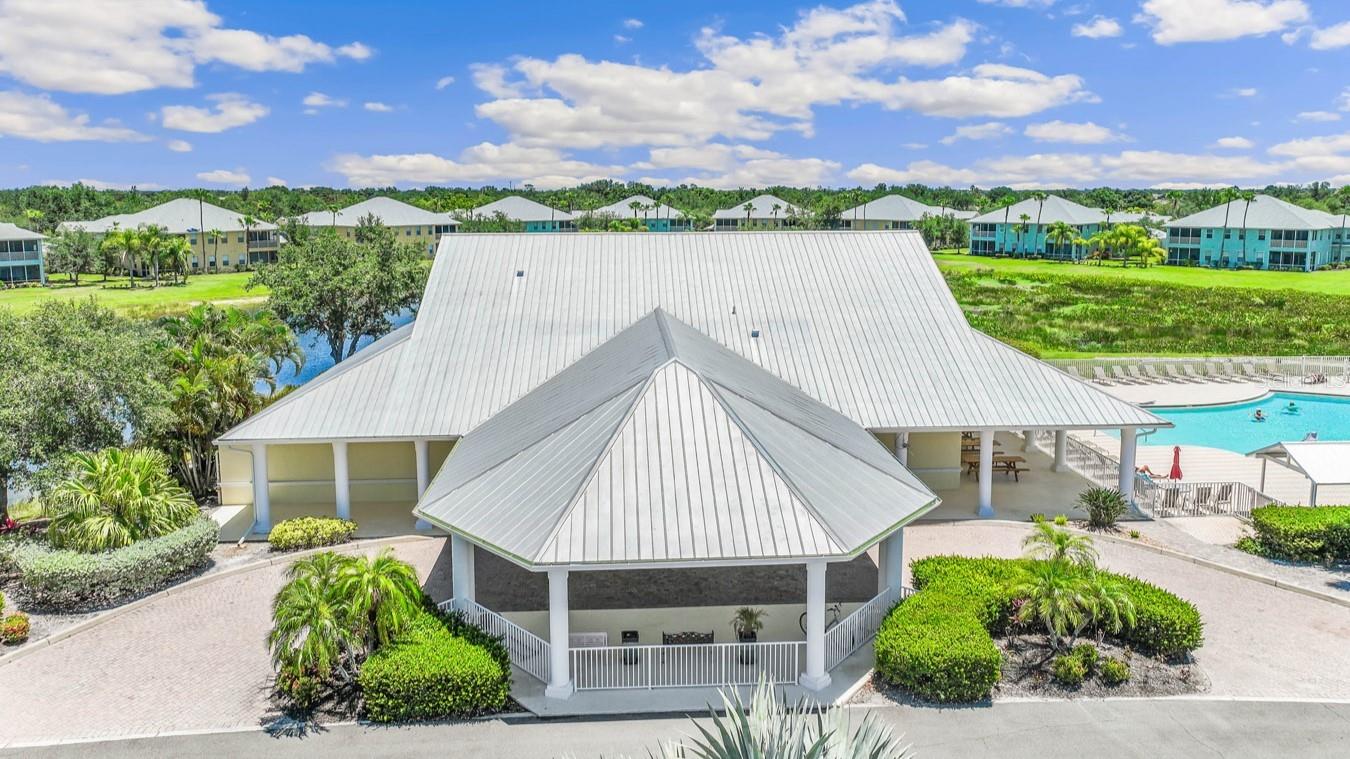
528	651
687	665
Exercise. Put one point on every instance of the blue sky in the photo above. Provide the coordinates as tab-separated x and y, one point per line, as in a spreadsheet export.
1147	93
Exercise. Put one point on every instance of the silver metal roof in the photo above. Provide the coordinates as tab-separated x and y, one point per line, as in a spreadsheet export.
178	216
861	321
623	211
893	208
517	208
1324	462
13	232
1265	213
761	207
390	212
662	446
1055	209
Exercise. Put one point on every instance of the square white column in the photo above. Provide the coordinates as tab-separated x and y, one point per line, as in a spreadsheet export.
560	659
461	568
342	487
421	454
986	473
262	503
891	561
902	447
1127	474
815	677
1027	436
1061	450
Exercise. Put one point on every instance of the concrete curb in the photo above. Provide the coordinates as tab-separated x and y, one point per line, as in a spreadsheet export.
115	612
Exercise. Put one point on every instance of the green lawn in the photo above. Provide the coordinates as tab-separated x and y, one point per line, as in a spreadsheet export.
146	302
1325	282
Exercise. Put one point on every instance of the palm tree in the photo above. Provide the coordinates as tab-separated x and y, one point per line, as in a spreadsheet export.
201	196
1247	197
312	634
749	209
1022	228
383	594
1174	198
1061	234
635	206
177	253
776	208
115	498
248	222
1040	198
1054	545
152	247
1226	196
126	243
216	234
1007	201
1053	595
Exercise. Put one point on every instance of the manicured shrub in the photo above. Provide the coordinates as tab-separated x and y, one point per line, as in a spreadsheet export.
1163	623
1103	506
1069	670
69	581
14	629
1301	533
1114	672
310	532
430	673
1086	653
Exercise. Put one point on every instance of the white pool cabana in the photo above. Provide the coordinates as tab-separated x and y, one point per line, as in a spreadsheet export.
663	449
1323	462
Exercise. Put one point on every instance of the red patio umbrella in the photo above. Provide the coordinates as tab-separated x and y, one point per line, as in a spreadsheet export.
1175	474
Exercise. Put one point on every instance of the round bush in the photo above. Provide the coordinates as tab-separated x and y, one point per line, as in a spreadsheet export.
1086	653
1114	672
1163	623
1069	670
1303	533
14	629
310	532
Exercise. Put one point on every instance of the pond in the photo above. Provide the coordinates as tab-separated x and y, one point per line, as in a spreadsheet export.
317	358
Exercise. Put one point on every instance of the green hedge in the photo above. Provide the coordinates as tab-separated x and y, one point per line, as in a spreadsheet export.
310	532
431	673
69	581
1303	533
938	643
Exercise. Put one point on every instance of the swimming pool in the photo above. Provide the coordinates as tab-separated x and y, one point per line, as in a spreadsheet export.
1231	426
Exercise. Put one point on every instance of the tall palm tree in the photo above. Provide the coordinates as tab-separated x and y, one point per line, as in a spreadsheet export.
126	243
1040	198
1021	234
1174	198
216	234
152	247
635	206
1007	201
1061	233
1247	197
1226	196
177	253
248	222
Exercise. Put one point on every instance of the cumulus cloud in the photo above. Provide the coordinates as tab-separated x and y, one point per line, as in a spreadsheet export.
229	110
39	118
276	182
179	146
988	131
108	48
315	101
1331	37
235	177
1313	146
1233	143
377	107
485	162
1317	117
632	23
1099	27
1173	21
444	82
1140	167
1085	133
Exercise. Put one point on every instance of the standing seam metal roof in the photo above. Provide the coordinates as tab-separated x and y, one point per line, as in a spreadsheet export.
517	208
390	212
1055	209
761	207
13	232
1265	213
623	211
178	216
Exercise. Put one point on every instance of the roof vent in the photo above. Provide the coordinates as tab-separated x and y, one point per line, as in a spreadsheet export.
754	333
520	272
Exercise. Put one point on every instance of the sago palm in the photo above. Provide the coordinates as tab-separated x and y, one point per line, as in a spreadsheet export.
312	631
1054	594
1059	546
115	498
382	593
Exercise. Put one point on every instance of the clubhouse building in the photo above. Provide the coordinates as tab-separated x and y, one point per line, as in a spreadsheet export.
1268	233
408	222
21	256
662	413
220	239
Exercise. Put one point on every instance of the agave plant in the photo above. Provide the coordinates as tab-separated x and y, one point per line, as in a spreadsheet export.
114	498
770	727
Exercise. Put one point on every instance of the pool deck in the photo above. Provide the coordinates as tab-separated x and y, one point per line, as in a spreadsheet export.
1213	393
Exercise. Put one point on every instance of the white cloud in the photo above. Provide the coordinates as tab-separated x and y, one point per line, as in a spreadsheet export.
1020	3
377	107
1313	146
1343	102
99	184
485	162
320	100
1233	143
1174	21
988	131
769	171
1099	27
1316	117
632	23
179	146
110	48
917	172
276	182
1242	92
622	40
1331	37
444	82
237	177
1085	133
39	118
753	87
230	110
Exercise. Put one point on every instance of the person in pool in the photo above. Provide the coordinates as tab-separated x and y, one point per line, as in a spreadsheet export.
1260	416
1292	408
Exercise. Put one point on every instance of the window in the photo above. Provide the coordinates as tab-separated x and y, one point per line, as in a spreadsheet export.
1209	234
241	238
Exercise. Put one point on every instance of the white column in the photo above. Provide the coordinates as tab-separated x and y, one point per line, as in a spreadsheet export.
560	675
423	475
986	473
461	568
893	569
902	447
262	504
1061	450
1312	496
342	487
815	677
883	566
1127	447
1026	439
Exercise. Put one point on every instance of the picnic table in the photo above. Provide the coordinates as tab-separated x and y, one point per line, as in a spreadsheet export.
1006	463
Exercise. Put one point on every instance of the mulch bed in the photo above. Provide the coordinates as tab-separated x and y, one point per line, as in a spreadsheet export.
1026	672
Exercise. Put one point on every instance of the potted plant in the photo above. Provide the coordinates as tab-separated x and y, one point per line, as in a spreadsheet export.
747	623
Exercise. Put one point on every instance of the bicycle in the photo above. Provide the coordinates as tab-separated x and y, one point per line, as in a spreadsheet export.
832	612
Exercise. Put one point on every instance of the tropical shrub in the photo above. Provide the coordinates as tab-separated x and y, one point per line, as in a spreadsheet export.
427	672
1163	623
114	498
1303	533
1103	506
14	629
1061	520
310	532
70	581
769	727
1069	670
1114	672
1088	654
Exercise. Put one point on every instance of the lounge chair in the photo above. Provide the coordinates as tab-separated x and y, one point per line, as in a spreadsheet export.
1215	374
1175	374
1192	373
1133	371
1223	498
1153	374
1099	376
1250	372
1119	375
1231	371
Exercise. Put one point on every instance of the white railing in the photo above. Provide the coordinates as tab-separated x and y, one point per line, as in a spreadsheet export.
528	651
1198	499
684	666
1283	371
1093	464
860	626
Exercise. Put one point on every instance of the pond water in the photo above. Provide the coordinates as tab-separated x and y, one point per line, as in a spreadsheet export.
317	358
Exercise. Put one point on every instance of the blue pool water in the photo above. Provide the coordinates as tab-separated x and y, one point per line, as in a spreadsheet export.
1231	427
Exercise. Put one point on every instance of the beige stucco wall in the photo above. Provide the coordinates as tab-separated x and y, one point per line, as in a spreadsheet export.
936	458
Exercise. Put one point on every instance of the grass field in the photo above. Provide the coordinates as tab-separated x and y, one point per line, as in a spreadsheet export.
145	302
1325	282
